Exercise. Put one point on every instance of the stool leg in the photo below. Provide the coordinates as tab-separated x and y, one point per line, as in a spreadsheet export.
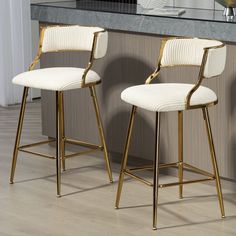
18	133
156	170
180	151
59	140
101	131
125	157
62	113
214	161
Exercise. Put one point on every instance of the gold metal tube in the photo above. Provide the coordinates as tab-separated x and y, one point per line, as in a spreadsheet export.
180	152
125	157
101	131
37	153
18	134
156	170
214	161
84	144
62	127
150	167
174	164
140	168
167	184
36	144
79	153
58	141
138	178
186	182
197	170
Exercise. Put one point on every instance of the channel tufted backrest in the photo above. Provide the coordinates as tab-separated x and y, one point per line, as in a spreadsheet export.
74	38
190	52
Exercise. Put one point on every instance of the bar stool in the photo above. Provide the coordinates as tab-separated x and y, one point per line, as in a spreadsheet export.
210	57
60	79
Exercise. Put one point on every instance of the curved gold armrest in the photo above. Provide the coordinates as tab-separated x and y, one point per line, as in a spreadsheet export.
90	64
92	58
201	73
200	79
157	70
152	76
39	53
34	63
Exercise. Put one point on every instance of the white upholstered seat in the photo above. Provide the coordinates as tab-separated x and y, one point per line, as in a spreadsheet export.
55	78
166	97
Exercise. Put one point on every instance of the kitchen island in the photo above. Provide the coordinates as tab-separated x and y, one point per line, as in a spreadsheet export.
134	41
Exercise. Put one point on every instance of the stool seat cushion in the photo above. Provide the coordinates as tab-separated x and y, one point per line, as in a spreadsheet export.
166	97
55	78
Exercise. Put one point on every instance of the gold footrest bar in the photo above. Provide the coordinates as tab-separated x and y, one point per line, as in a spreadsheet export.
186	182
150	167
175	164
198	171
84	144
92	147
126	172
36	144
79	153
37	153
52	157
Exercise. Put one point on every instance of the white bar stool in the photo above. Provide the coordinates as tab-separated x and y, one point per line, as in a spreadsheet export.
210	57
60	79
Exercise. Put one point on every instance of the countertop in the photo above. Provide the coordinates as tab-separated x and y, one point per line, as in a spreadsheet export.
134	18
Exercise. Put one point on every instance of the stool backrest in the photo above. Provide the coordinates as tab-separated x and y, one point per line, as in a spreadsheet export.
75	38
210	54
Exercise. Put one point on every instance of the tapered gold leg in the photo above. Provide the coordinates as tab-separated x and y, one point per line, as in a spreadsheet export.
101	131
18	133
214	161
62	113
180	151
59	140
156	170
125	157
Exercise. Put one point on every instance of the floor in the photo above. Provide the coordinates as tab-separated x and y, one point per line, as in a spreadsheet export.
30	207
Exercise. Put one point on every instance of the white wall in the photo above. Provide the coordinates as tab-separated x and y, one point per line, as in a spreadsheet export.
5	53
15	52
18	45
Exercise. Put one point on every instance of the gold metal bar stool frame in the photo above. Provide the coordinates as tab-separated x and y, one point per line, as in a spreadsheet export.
180	164
60	139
